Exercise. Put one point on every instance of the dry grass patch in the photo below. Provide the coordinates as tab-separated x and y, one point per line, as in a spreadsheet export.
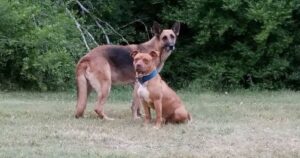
240	124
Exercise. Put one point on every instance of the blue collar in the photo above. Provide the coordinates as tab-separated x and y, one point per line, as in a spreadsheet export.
148	77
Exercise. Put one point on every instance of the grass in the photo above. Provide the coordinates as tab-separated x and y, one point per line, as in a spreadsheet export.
238	124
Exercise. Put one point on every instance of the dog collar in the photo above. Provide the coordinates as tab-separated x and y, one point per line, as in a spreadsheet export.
147	77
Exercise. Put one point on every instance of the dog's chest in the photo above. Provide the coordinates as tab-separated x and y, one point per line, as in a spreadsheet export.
143	92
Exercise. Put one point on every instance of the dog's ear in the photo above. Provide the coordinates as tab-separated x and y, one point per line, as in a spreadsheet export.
134	53
176	28
156	29
154	54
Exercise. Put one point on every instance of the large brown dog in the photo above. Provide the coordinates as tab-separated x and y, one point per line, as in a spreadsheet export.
155	93
112	64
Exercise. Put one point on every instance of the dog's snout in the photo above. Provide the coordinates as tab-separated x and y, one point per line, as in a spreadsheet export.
138	65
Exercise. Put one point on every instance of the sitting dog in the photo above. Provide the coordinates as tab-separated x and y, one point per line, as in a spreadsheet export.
155	93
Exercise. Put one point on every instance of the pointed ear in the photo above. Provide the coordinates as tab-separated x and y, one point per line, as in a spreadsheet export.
134	53
154	54
156	29
176	28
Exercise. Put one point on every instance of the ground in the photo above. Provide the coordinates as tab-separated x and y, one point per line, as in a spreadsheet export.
234	124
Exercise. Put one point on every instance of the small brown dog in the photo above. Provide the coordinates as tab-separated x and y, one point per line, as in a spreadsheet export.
155	93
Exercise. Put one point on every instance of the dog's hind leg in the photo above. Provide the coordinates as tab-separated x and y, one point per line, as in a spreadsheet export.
83	89
100	80
102	98
180	115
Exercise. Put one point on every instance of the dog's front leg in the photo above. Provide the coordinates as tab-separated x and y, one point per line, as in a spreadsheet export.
136	104
158	110
147	118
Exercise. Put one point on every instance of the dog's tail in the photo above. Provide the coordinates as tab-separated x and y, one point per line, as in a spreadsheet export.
82	87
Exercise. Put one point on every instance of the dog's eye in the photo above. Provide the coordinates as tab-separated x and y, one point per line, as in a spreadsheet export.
165	38
145	61
172	36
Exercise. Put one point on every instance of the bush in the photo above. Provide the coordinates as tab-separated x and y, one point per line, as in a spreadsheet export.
240	43
39	46
49	71
223	44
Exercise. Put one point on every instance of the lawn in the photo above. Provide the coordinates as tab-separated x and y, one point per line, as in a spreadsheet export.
237	124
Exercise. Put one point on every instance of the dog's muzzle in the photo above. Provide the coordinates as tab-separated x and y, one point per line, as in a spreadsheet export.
139	68
170	47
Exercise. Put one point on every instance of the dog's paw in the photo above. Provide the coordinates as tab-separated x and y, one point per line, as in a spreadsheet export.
146	123
78	116
157	126
136	118
108	118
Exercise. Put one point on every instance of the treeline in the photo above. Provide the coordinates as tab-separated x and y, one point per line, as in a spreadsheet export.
223	44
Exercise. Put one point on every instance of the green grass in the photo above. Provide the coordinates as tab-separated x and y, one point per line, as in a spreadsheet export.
238	124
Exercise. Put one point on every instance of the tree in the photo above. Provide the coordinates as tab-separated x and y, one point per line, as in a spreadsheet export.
238	43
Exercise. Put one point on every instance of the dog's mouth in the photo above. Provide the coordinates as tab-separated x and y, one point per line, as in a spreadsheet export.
170	48
139	70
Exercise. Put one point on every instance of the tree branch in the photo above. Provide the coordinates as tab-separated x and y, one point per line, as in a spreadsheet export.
97	20
136	21
98	24
79	28
82	7
106	23
91	36
103	30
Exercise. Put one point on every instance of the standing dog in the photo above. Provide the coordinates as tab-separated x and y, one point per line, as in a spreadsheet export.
155	93
112	64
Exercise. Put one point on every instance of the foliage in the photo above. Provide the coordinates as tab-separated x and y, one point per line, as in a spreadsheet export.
223	44
241	43
39	45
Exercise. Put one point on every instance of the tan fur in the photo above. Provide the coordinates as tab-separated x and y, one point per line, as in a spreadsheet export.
96	71
156	94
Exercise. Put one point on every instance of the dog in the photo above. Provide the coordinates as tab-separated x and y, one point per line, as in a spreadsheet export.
108	65
154	93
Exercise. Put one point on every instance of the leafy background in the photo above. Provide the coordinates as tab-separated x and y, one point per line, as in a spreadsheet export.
223	44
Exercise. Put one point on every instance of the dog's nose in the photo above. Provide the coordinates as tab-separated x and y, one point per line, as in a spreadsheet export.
138	66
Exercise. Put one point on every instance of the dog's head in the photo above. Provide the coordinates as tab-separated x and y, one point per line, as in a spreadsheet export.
167	37
144	63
